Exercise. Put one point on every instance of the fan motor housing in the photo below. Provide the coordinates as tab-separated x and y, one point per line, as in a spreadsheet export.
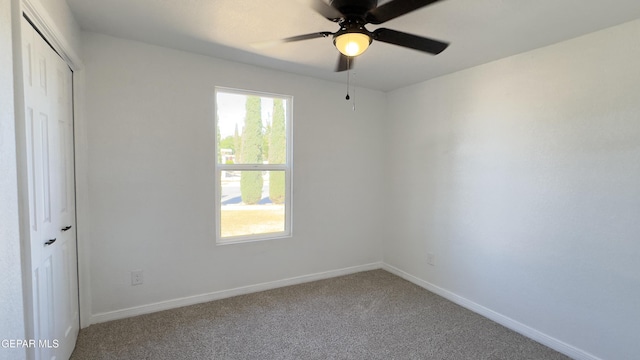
354	7
352	25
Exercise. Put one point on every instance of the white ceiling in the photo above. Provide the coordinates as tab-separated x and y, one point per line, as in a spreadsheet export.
479	31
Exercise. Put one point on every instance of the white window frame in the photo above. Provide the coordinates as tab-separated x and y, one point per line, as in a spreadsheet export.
287	167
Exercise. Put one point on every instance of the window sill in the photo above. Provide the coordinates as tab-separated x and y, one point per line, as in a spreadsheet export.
252	238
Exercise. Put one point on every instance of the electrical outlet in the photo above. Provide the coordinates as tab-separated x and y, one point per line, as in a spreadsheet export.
137	277
431	259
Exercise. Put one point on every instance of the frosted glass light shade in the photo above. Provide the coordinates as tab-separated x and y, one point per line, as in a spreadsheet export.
352	44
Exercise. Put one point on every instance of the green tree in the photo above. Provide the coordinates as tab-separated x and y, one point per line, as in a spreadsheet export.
277	152
237	146
228	143
251	181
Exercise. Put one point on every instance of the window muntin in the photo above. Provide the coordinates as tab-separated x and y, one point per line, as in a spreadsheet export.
253	166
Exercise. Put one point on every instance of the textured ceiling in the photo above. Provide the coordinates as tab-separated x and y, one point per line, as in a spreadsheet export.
479	31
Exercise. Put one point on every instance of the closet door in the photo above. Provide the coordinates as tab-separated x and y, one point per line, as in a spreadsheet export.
50	168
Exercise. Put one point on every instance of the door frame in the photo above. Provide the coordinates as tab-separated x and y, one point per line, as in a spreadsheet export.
43	22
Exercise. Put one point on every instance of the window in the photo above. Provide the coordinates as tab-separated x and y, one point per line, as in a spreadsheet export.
253	165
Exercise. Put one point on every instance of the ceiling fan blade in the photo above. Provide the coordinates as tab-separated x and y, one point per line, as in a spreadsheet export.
324	9
307	36
344	63
395	8
265	44
409	41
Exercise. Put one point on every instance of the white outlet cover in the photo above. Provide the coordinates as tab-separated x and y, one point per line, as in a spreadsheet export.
137	277
431	259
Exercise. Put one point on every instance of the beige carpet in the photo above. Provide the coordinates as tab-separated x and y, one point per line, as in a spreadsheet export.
369	315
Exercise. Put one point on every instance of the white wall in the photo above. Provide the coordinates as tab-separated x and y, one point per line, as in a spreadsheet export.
62	17
522	177
150	142
11	298
519	175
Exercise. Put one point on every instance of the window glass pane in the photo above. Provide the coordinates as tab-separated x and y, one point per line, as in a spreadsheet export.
252	202
251	129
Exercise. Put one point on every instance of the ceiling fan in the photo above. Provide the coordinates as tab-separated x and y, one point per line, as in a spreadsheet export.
352	39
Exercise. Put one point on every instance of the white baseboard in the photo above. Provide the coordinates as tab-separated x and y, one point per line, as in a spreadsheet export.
505	321
217	295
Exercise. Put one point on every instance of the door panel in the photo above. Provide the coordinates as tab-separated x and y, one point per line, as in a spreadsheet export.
45	163
51	188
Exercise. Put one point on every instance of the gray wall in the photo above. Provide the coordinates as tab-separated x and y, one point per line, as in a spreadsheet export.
522	177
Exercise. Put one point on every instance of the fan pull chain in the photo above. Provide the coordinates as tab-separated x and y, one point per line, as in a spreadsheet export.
349	84
348	72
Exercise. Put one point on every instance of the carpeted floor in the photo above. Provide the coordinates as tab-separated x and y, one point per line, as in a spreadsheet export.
369	315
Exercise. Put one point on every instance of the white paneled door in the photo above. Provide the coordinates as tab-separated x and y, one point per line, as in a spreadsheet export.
50	171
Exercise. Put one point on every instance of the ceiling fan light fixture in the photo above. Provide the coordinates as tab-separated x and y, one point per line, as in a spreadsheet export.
352	44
